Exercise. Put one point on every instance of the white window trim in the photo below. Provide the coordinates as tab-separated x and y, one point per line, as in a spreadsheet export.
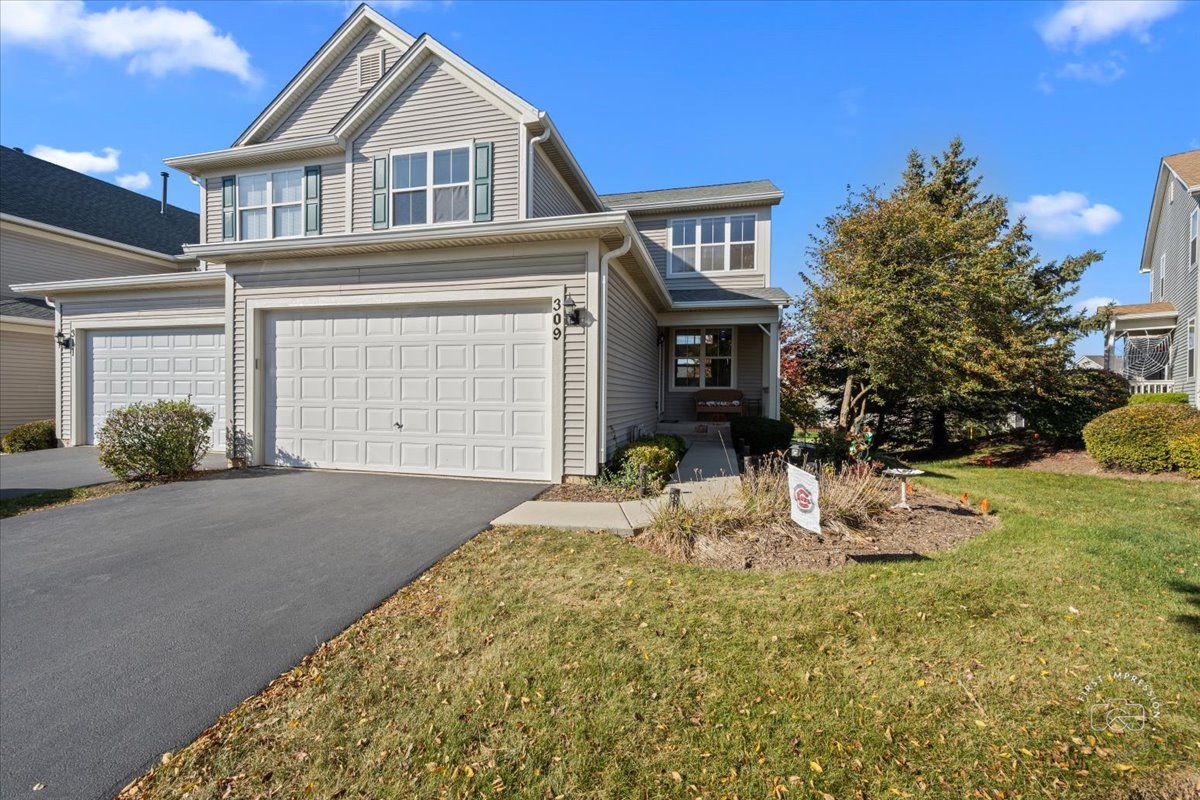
269	206
429	150
733	358
696	248
1162	277
1189	349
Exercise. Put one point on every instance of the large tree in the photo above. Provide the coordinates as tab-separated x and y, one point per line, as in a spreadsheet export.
930	292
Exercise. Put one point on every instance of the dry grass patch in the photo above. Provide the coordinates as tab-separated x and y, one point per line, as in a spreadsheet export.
28	503
751	527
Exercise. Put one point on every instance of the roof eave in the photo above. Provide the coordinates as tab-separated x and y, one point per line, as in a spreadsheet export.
325	144
180	280
758	199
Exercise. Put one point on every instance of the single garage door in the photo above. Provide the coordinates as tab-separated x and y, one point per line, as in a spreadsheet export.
439	390
143	365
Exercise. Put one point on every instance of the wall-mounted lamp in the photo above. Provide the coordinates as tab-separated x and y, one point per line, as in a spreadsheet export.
65	340
572	310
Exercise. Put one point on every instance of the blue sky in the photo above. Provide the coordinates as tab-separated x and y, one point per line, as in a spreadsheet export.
1068	106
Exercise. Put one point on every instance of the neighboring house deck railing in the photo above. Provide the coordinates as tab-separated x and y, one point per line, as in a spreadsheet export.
1150	387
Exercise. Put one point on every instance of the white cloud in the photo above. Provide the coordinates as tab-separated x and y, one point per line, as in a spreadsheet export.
1106	71
155	40
135	180
1093	304
1081	22
80	161
1066	214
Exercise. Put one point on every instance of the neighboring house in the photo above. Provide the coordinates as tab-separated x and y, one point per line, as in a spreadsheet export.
404	269
1097	362
55	225
1155	342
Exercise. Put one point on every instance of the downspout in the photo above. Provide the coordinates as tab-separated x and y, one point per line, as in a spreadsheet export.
544	136
624	248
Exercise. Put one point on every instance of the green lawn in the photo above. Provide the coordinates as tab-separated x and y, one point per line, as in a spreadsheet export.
537	663
14	506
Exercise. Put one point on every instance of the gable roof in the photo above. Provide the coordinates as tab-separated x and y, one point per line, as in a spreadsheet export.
1187	166
310	75
743	193
39	191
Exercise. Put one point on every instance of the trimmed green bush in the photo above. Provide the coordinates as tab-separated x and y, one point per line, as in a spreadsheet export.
163	439
1185	453
38	435
1159	397
1060	411
762	434
660	453
1136	437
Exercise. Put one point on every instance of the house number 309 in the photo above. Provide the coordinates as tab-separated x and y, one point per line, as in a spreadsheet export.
557	304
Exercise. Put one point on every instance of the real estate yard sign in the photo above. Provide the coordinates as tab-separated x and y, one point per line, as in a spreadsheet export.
804	489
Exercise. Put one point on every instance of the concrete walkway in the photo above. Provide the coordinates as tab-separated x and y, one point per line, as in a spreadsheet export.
63	468
705	470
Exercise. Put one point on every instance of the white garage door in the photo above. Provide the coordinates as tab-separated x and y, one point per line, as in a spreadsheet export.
127	366
447	390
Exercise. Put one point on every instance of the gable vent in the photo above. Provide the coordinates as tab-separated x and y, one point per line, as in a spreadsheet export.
370	67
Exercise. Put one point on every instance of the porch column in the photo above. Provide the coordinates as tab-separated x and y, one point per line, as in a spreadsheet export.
1109	343
772	409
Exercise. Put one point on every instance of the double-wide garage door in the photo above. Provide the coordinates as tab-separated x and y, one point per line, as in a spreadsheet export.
144	365
443	390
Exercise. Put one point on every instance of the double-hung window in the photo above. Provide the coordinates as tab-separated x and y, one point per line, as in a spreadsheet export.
1191	348
432	185
1193	235
712	244
703	358
271	204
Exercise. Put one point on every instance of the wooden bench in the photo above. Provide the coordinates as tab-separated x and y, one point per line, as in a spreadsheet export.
719	402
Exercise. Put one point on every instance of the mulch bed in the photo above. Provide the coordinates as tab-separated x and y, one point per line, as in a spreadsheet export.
587	493
1078	462
937	522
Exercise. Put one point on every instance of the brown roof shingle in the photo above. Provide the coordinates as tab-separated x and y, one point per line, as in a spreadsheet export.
1186	166
1142	308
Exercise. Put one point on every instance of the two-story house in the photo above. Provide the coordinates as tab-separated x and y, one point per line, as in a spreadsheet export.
1154	343
57	224
403	268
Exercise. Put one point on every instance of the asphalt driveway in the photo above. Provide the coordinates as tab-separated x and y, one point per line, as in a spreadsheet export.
130	623
62	468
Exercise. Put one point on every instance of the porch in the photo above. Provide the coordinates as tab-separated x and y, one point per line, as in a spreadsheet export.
714	372
1140	339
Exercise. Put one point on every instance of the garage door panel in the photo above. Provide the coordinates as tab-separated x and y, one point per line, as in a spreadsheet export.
125	367
417	367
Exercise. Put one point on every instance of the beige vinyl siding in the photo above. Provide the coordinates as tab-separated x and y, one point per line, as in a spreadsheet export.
1182	285
551	198
435	108
30	258
26	375
656	238
132	309
748	364
315	280
337	92
333	197
632	368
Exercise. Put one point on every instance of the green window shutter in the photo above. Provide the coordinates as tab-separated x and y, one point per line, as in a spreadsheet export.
483	182
312	200
379	200
229	207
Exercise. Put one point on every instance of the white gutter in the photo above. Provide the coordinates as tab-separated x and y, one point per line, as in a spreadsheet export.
162	281
327	144
608	258
15	320
770	198
544	136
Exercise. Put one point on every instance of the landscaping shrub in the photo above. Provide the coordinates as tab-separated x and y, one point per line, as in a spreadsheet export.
1160	397
1136	437
762	434
163	439
660	453
1185	453
39	435
1082	395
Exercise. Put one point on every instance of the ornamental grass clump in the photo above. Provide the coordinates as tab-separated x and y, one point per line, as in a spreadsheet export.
163	439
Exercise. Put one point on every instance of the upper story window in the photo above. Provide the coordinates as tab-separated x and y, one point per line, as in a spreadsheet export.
271	204
1162	277
712	244
431	185
1193	235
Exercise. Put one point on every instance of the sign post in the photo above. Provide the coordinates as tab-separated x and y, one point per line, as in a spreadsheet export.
805	492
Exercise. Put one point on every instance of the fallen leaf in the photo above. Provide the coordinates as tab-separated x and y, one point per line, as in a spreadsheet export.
815	767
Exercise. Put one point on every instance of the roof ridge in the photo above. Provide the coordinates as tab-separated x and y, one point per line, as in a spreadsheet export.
691	186
76	174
